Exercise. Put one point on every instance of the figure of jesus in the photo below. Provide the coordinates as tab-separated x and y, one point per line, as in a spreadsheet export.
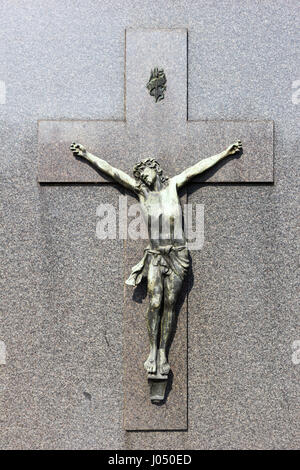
165	261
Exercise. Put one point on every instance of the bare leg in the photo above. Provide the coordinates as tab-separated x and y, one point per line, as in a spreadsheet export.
172	286
155	292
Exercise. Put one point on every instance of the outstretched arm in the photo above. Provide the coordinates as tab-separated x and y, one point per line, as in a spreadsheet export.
117	175
203	165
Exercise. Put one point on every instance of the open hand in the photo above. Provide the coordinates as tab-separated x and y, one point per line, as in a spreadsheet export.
78	150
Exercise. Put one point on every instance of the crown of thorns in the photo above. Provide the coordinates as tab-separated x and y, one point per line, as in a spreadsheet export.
150	163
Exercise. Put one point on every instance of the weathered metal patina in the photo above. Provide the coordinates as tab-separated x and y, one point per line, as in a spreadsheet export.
165	261
157	84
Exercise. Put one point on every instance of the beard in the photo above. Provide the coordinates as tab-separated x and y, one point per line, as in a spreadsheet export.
149	182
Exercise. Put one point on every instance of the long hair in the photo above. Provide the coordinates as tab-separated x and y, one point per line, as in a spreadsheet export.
150	163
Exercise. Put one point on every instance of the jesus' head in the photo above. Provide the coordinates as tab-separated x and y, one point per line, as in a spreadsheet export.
147	171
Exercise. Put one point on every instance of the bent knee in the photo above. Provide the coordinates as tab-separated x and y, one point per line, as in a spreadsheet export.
169	302
155	302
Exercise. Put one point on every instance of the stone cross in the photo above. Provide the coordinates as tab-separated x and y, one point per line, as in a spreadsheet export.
162	130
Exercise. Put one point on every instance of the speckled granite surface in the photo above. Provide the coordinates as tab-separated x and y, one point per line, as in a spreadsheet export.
61	386
178	145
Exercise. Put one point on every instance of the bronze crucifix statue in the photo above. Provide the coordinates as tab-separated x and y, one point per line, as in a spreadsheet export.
165	261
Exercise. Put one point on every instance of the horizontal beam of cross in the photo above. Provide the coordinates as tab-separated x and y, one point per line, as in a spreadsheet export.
161	130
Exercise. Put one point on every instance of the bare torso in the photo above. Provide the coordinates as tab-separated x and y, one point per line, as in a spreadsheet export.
163	209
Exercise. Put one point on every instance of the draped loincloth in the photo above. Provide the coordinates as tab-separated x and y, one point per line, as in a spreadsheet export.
169	258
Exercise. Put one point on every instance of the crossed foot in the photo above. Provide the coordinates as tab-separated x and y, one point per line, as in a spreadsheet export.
163	365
